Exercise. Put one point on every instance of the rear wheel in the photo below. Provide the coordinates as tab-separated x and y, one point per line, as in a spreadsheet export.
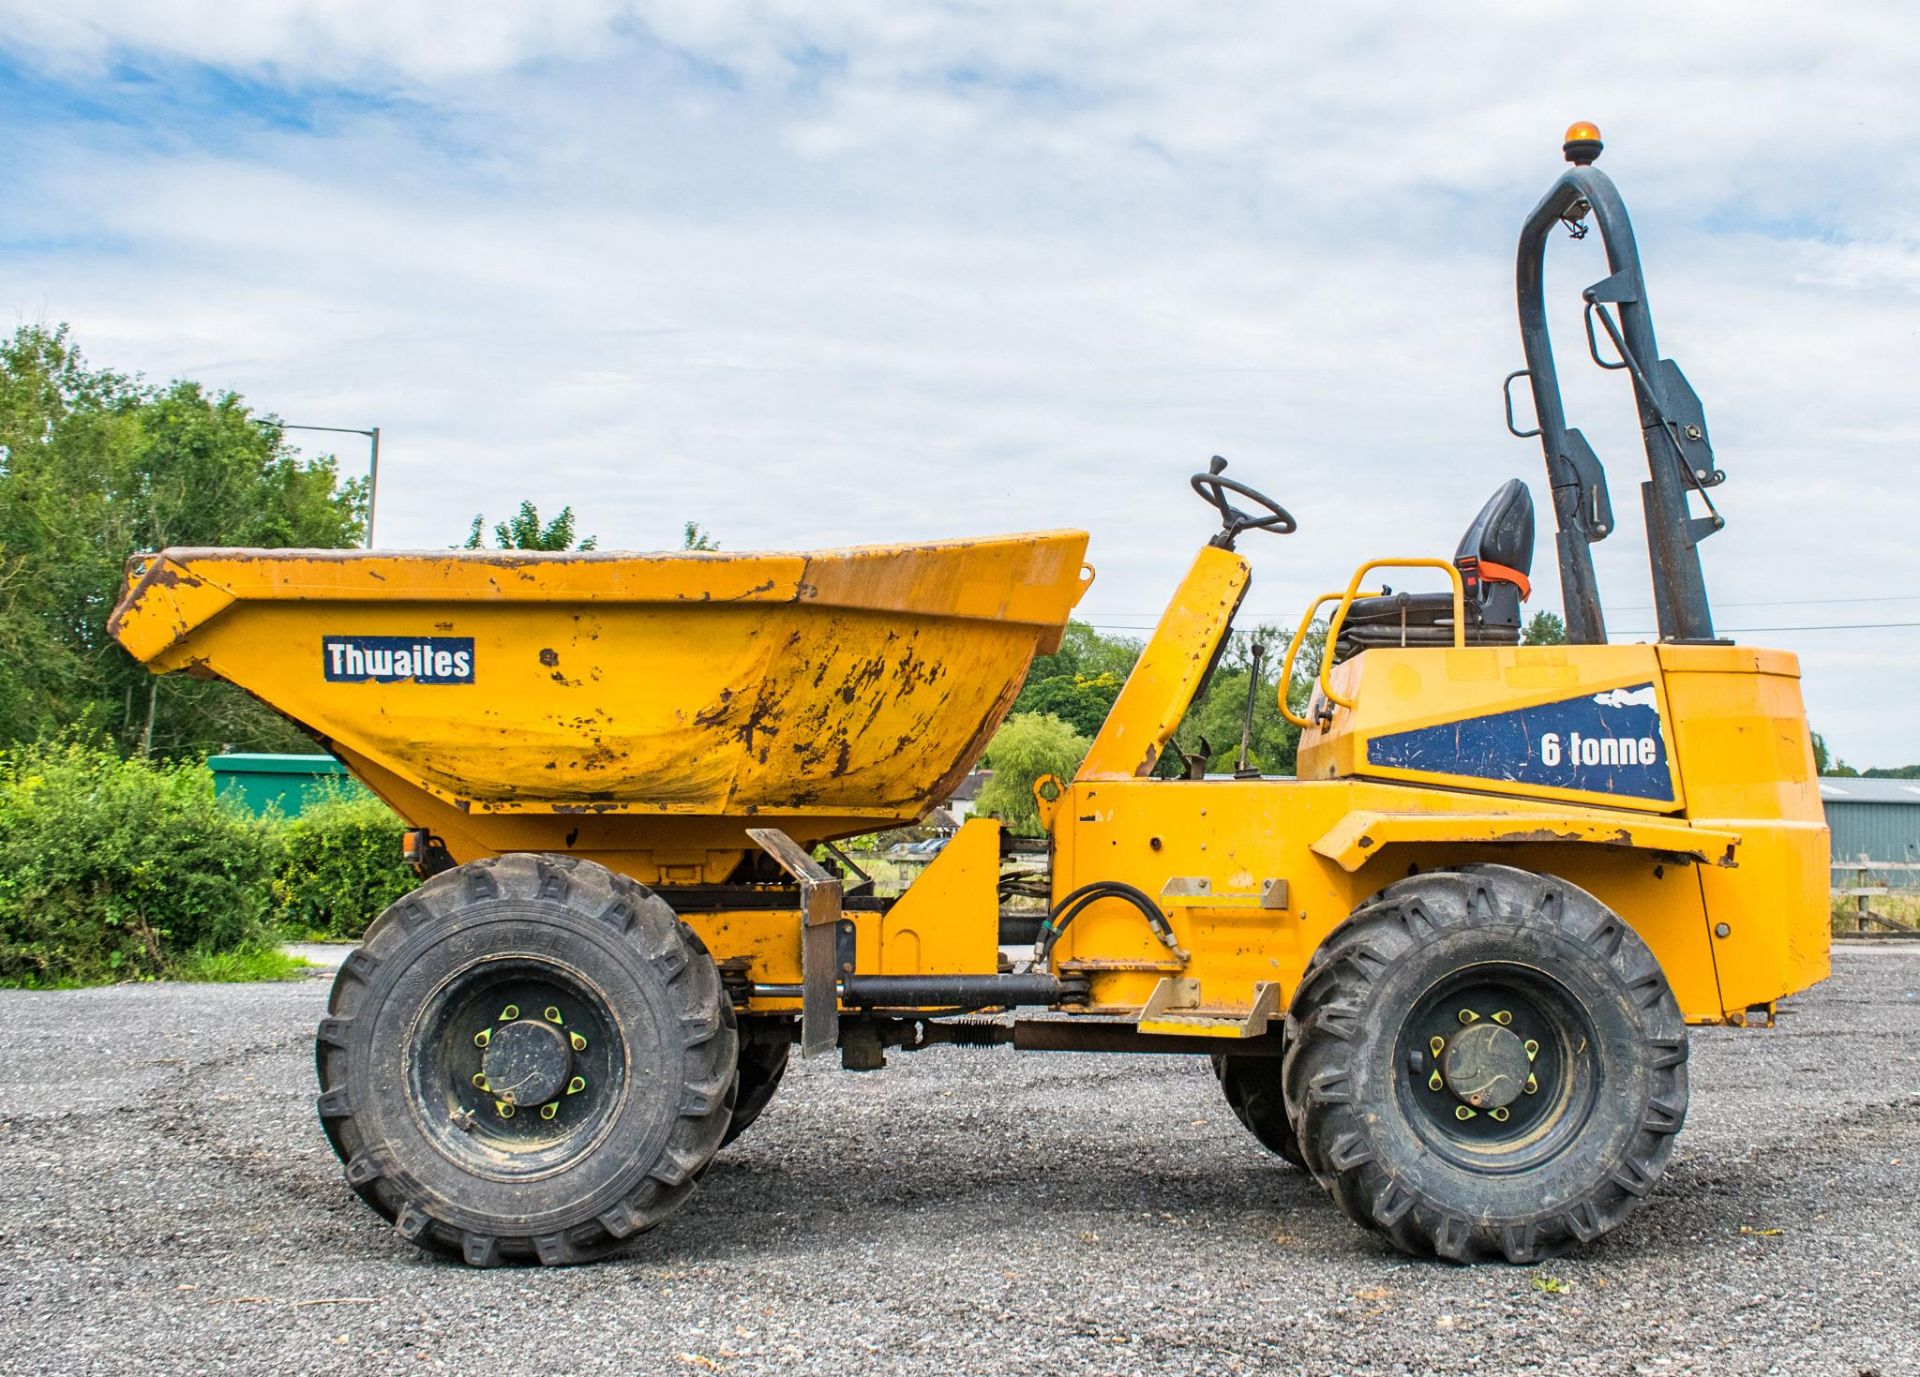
1254	1093
1486	1063
530	1059
764	1048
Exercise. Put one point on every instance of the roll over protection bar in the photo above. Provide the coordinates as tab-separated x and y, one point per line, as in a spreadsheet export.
1673	426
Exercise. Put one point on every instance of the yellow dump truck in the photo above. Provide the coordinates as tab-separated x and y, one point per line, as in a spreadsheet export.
1448	969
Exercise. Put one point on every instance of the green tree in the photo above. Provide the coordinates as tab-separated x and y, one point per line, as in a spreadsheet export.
1082	702
95	466
1218	716
1545	628
1027	746
1833	766
523	531
696	538
1085	652
1080	680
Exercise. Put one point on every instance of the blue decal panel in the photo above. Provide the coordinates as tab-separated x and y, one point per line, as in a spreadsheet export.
397	659
1599	743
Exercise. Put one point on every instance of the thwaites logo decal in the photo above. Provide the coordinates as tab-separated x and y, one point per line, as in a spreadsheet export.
1599	743
397	659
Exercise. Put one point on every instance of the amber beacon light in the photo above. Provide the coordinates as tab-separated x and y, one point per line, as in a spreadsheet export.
1582	143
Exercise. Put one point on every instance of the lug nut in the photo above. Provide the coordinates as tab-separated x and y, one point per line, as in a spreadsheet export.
1499	1116
1436	1045
483	1037
510	1013
1462	1113
504	1108
1469	1016
480	1080
579	1043
1532	1084
1503	1018
576	1085
1533	1049
1435	1083
548	1110
553	1014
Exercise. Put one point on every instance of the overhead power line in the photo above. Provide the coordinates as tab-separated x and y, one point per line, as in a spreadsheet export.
1730	630
1648	607
1821	626
1799	602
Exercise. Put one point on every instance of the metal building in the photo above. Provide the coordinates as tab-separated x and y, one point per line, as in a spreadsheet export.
1879	818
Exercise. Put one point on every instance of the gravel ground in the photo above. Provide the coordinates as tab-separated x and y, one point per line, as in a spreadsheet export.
170	1205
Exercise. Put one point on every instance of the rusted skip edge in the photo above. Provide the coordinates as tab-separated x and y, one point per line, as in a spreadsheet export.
165	606
1037	576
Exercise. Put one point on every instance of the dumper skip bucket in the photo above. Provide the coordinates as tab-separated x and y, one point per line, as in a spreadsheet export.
638	703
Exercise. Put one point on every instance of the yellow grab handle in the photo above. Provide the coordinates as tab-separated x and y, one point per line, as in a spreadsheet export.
1353	591
1293	650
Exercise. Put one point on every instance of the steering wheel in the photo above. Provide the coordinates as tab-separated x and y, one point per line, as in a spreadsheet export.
1213	488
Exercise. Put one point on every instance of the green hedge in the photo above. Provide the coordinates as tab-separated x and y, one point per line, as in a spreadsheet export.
117	869
341	867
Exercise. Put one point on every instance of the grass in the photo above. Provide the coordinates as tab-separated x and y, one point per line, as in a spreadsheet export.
237	967
293	931
23	982
1903	906
197	968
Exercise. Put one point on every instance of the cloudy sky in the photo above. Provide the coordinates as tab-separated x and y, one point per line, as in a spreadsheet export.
831	271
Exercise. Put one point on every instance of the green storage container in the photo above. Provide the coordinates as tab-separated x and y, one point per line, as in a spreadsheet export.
290	781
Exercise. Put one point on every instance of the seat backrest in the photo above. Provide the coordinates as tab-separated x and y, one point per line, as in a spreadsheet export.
1495	559
1502	535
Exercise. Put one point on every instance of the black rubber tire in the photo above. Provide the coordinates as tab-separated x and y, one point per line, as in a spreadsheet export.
1258	1100
629	1155
764	1049
1605	1128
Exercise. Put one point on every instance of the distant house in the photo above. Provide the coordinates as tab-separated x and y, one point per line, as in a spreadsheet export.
960	803
940	820
1877	818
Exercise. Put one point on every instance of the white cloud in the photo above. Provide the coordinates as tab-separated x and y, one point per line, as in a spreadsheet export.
813	272
421	40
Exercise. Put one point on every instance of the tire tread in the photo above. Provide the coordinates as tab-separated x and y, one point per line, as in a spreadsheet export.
1324	1027
706	1015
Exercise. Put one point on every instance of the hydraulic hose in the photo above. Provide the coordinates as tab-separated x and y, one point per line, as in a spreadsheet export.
1076	903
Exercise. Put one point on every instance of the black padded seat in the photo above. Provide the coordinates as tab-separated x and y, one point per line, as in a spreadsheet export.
1494	557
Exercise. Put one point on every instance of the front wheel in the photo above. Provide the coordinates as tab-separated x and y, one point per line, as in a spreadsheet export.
530	1059
1486	1063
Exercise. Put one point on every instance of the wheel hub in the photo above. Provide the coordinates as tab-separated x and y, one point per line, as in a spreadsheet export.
1486	1065
527	1062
